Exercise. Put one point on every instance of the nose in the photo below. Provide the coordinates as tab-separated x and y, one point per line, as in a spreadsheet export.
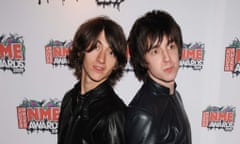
166	56
101	56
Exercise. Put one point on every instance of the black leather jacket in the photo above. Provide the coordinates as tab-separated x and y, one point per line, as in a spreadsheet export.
155	117
96	118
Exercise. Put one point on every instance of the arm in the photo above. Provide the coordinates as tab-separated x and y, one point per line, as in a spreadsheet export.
139	127
110	130
62	121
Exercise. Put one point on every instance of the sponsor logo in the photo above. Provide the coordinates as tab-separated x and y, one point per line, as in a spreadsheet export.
103	3
232	58
219	118
56	52
38	115
12	53
192	56
114	3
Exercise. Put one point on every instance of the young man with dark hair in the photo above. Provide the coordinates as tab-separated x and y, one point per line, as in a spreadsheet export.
156	114
91	112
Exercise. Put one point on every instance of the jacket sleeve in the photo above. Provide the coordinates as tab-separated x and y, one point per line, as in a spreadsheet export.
111	129
142	128
139	127
62	119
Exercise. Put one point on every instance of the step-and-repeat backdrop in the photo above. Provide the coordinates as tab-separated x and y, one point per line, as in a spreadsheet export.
35	37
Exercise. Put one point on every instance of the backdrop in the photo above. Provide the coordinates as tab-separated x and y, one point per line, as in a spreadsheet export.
35	36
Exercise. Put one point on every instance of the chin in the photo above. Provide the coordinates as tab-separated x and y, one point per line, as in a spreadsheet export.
169	79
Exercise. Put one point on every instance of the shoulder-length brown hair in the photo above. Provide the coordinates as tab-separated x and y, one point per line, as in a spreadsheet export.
86	36
151	27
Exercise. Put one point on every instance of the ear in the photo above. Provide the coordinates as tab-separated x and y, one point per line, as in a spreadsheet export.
79	54
116	66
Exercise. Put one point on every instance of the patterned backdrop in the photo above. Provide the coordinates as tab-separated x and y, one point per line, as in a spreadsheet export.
35	38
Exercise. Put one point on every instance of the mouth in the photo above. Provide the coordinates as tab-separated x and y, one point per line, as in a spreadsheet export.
98	68
169	69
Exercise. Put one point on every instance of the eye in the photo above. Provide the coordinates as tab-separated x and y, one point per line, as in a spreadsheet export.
97	46
172	46
111	53
154	51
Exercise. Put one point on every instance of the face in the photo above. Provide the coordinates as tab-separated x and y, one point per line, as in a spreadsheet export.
99	63
163	62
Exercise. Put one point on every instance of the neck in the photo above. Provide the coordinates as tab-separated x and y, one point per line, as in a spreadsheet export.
171	92
167	84
87	85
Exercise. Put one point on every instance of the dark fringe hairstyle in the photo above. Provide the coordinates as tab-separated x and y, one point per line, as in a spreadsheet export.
146	30
86	36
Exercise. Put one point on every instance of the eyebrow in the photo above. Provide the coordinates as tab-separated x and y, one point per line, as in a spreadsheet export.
153	46
98	41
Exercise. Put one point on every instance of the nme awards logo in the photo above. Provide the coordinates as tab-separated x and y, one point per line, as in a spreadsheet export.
12	53
232	58
38	116
192	56
56	52
219	118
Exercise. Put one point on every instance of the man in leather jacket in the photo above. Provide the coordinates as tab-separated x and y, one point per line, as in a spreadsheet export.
91	112
156	114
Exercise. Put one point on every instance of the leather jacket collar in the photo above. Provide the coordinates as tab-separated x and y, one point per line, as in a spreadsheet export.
157	89
80	103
